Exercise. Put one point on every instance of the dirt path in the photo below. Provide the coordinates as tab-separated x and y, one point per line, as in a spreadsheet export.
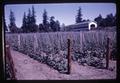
29	69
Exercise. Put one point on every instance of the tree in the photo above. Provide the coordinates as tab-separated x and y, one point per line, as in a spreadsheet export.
34	26
109	20
41	28
84	20
30	21
45	21
24	23
99	20
45	17
79	16
106	22
57	25
12	25
52	23
63	27
33	15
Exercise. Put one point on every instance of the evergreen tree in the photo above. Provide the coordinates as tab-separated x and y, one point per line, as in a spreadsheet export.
12	25
45	21
29	23
57	25
109	20
79	16
106	22
41	28
52	23
34	26
103	23
99	20
33	15
45	17
24	23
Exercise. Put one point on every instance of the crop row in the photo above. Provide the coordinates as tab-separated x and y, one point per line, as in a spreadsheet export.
51	48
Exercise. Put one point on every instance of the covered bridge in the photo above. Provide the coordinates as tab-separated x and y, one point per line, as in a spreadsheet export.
89	25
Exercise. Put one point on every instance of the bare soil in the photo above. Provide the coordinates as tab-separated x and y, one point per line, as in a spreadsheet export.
30	69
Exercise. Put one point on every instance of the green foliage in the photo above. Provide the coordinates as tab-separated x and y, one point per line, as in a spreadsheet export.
109	21
29	22
55	25
87	48
79	16
24	25
12	26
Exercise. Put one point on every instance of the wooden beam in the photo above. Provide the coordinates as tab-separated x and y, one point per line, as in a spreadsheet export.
108	53
69	57
10	61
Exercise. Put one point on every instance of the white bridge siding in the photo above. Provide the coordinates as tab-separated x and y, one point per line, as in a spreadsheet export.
92	23
82	26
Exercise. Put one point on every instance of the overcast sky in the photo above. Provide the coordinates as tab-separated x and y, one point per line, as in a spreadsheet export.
64	12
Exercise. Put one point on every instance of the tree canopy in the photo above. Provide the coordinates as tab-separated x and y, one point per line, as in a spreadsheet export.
79	16
108	21
49	23
12	25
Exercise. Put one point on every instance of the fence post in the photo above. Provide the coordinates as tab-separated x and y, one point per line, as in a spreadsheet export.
108	53
10	60
19	42
69	58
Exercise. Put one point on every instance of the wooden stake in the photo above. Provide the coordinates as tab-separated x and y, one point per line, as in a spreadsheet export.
108	53
10	60
69	58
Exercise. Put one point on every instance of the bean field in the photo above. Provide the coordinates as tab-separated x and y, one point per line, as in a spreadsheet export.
87	47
